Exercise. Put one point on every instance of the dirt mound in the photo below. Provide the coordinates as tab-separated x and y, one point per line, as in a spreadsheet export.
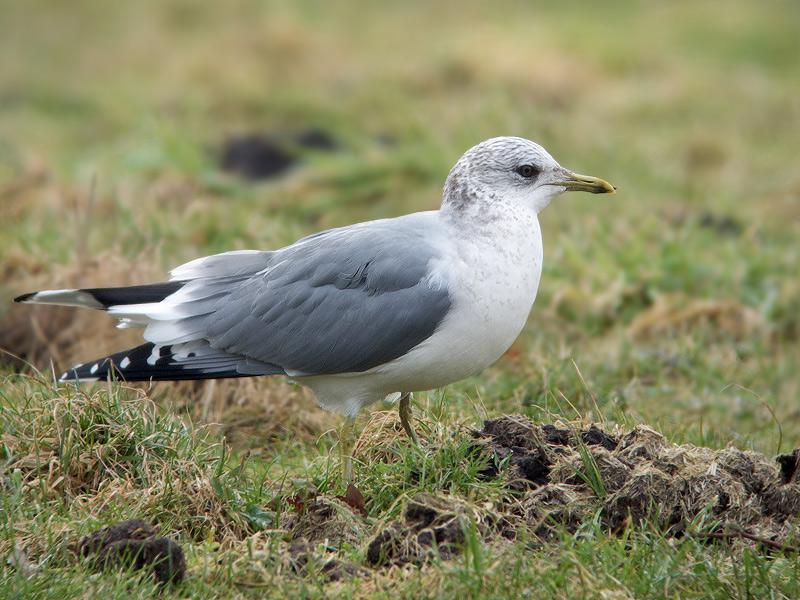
134	544
430	525
566	475
326	520
258	156
556	479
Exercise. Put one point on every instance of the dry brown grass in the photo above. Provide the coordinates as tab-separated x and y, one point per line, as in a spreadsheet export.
42	335
104	450
675	313
252	413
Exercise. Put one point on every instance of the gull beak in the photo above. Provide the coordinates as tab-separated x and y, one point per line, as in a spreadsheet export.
572	182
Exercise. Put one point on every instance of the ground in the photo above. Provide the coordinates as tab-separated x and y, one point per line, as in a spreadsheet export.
136	136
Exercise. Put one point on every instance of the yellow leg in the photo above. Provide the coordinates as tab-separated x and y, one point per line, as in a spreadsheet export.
346	442
404	409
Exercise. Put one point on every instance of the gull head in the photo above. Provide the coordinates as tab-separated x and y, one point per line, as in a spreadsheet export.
513	170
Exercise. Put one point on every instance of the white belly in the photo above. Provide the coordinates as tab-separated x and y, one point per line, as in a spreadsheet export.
492	283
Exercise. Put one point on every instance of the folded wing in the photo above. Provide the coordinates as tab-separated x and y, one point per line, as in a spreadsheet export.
344	300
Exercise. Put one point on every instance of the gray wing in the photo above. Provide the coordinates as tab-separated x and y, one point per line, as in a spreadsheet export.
345	300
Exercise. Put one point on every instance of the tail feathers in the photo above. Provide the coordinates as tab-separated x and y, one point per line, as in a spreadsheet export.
103	298
151	362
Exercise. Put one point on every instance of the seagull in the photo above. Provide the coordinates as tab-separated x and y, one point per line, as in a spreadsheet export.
371	311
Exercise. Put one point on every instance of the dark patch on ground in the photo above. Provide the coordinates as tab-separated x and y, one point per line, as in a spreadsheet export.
134	545
162	555
302	558
431	526
315	139
789	464
257	156
521	444
595	437
533	466
720	224
512	432
553	435
134	529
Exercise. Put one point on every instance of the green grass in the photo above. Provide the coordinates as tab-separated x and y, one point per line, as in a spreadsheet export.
226	514
651	310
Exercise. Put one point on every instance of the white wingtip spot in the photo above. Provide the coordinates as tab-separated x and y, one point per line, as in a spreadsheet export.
67	373
123	364
154	355
94	368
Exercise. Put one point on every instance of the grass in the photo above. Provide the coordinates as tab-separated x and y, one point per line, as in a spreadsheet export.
675	303
109	454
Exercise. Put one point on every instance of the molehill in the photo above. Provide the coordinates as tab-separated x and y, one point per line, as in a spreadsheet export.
558	478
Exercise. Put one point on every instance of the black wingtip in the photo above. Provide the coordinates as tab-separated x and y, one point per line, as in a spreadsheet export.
24	297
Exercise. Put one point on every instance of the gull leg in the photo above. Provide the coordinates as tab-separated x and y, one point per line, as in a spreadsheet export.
346	443
404	409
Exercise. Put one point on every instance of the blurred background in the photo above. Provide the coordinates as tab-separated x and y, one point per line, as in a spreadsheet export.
136	136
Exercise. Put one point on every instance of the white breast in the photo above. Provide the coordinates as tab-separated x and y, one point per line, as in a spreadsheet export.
492	276
493	282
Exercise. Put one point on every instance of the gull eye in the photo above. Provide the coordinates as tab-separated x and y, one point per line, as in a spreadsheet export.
527	171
